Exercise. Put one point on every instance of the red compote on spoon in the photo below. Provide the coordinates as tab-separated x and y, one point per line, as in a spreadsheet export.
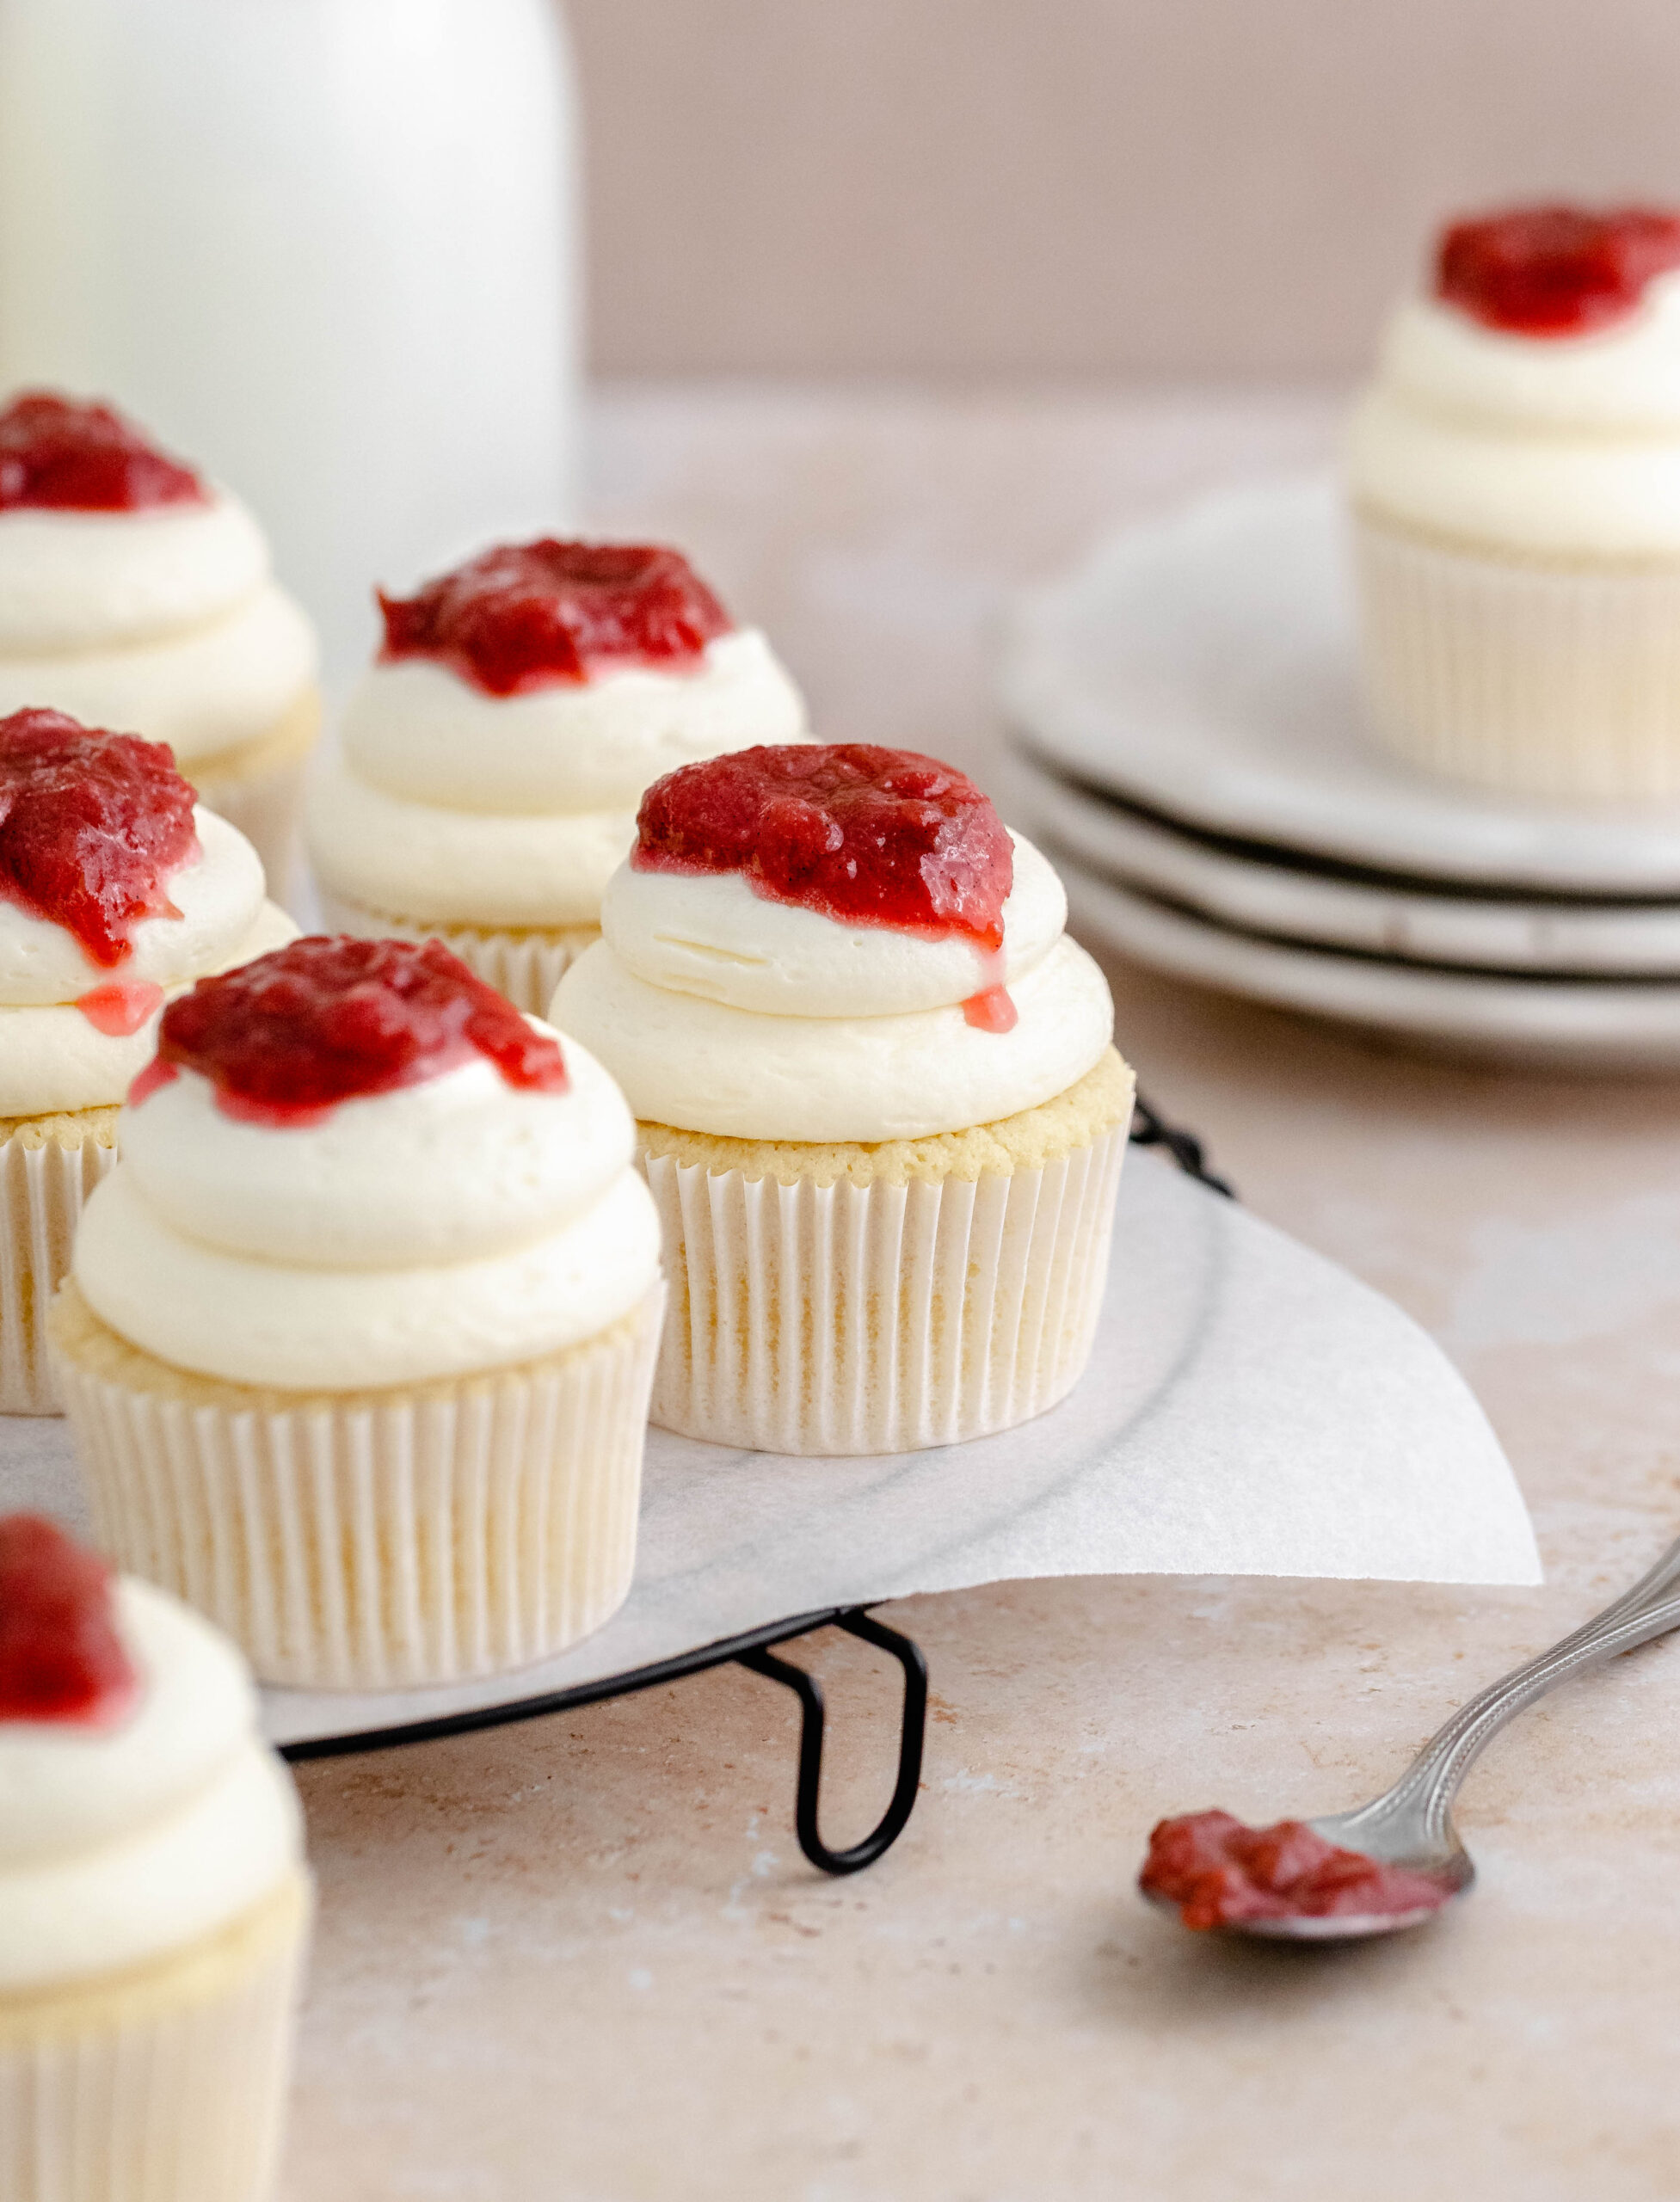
93	826
865	835
1555	271
522	615
61	1658
59	456
285	1039
1219	1872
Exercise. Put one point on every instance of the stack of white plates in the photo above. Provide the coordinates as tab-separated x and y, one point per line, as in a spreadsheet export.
1190	749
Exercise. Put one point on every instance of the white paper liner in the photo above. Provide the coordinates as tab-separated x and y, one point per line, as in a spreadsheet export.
43	1190
879	1319
1538	679
392	1541
525	966
170	2088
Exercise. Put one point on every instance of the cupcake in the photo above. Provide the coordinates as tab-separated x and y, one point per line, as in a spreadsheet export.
116	891
133	593
1515	479
154	1904
494	756
359	1332
878	1106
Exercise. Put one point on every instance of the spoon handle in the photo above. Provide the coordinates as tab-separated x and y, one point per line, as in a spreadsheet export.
1423	1795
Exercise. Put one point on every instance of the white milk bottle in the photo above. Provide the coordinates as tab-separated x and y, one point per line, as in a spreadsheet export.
323	247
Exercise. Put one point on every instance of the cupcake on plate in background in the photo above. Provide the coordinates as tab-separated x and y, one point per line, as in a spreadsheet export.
878	1106
494	756
154	1903
134	593
116	890
1515	479
360	1332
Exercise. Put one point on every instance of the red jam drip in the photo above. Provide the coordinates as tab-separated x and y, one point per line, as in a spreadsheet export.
1555	271
524	615
1219	1872
92	827
58	456
283	1040
869	836
61	1657
991	1011
155	1076
121	1008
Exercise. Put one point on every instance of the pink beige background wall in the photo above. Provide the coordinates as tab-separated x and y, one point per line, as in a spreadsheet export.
1102	189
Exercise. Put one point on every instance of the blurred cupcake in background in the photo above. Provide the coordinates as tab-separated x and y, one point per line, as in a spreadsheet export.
1515	479
154	1902
494	756
116	891
135	594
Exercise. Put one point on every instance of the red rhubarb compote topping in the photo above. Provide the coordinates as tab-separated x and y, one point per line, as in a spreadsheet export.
865	835
525	615
283	1040
61	1657
93	826
1555	271
59	456
1219	1872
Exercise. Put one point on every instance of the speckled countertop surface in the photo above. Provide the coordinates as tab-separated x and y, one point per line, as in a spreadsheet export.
583	1960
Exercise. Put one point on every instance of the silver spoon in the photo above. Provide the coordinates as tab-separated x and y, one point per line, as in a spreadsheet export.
1411	1825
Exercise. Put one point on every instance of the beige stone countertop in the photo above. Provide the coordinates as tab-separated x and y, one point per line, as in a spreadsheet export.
582	1960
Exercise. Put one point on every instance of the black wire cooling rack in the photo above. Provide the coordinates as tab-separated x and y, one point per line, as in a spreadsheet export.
755	1650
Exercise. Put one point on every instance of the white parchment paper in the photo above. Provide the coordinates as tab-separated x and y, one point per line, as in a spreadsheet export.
1251	1410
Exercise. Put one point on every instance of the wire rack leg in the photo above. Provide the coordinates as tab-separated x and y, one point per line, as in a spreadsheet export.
912	1734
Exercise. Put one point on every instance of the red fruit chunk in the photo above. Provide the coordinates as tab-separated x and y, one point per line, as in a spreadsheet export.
523	615
1218	1870
283	1040
58	456
1555	271
61	1657
867	835
93	825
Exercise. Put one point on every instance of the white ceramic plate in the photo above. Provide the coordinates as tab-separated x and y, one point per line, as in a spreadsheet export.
1371	912
1204	666
1556	1022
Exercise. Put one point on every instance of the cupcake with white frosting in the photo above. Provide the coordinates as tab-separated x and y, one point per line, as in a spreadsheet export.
154	1903
359	1332
116	890
1515	479
876	1100
134	593
494	756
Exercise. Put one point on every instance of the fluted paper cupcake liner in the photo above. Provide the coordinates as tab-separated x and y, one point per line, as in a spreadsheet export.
879	1318
1536	678
525	966
166	2085
46	1177
380	1540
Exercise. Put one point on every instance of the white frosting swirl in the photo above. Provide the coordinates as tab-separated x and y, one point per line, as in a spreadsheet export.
414	729
534	1234
1555	446
51	1056
73	580
208	690
124	1844
453	807
441	867
815	1030
708	933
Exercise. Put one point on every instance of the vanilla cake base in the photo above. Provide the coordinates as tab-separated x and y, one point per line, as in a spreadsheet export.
374	1540
849	1298
48	1167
